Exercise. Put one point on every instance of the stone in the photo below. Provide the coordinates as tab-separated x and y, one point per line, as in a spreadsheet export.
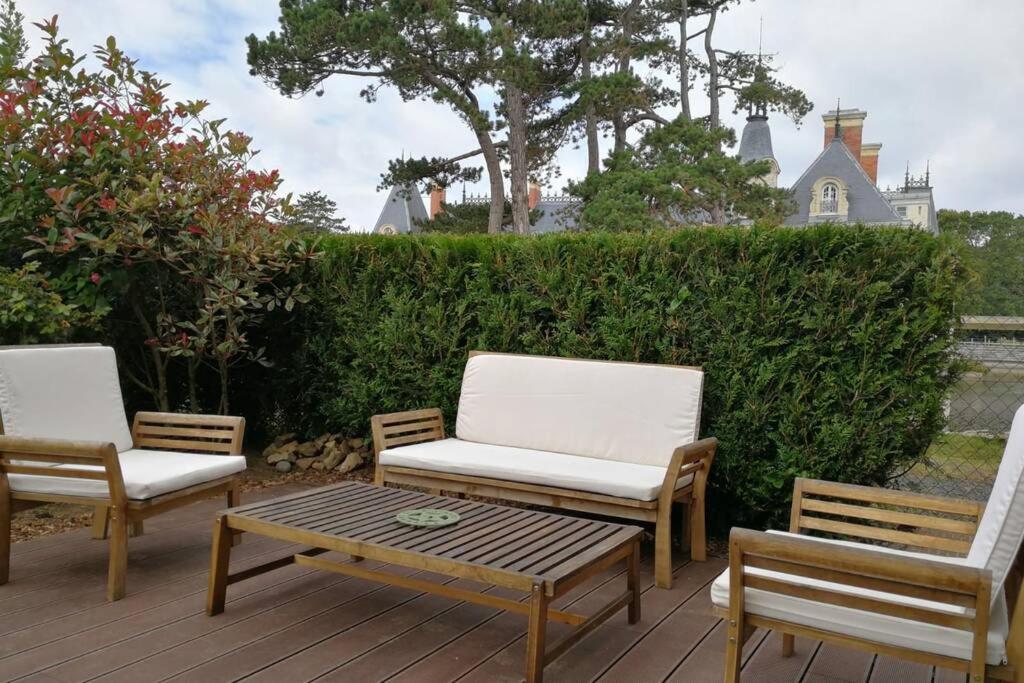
318	465
321	440
283	466
280	456
307	450
355	443
305	463
282	439
352	461
331	460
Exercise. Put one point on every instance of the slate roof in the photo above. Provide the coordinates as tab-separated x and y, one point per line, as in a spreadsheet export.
756	140
867	205
402	207
557	215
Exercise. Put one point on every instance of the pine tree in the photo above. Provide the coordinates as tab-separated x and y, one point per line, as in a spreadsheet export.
316	212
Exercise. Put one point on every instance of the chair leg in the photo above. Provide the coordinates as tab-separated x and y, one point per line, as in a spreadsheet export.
234	500
698	541
787	644
6	509
100	522
117	574
136	528
663	547
734	650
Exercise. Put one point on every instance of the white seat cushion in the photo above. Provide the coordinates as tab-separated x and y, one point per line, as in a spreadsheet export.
63	393
146	474
1001	529
868	625
609	477
629	412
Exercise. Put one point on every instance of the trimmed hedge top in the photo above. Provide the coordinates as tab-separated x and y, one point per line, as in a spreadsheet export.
827	350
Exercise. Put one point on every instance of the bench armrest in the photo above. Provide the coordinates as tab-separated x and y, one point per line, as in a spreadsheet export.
407	427
203	433
859	569
693	458
37	456
875	514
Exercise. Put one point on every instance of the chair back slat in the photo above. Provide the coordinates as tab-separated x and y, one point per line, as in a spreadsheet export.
886	516
193	433
401	429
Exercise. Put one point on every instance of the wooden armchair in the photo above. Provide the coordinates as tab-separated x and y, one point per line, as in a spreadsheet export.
50	394
958	610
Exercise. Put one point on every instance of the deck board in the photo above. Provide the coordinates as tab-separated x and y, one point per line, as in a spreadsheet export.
297	624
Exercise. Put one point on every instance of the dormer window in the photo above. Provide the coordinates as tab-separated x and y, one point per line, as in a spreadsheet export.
830	198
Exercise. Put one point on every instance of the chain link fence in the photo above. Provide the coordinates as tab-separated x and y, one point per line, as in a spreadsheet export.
963	461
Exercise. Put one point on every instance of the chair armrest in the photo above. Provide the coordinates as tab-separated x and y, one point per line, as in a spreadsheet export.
859	569
203	433
26	455
407	427
693	458
877	514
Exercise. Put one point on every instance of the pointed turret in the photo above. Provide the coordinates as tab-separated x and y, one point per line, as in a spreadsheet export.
756	145
402	210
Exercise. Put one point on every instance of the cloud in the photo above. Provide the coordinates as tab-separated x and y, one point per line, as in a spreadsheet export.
941	81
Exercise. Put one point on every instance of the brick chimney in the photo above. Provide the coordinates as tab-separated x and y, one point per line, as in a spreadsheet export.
869	159
851	122
436	199
533	195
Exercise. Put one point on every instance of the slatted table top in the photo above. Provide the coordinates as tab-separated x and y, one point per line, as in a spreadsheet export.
505	546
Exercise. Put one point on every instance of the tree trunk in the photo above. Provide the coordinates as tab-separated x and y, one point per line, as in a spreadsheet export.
159	360
493	163
619	127
222	370
593	147
193	385
714	116
518	169
684	63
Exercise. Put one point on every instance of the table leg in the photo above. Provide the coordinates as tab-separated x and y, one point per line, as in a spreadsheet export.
633	582
535	635
219	559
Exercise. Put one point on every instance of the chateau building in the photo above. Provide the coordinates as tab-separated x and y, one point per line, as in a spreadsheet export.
404	210
839	186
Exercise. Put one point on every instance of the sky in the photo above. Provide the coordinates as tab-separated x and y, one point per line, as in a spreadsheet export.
942	82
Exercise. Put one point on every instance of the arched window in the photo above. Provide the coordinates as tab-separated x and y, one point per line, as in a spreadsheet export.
830	198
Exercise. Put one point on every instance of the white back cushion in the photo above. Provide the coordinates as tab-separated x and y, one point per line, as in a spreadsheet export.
629	412
1001	529
63	393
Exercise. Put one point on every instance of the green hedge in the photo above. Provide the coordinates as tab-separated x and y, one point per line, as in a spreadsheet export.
826	350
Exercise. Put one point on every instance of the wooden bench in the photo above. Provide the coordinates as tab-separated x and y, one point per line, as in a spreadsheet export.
608	438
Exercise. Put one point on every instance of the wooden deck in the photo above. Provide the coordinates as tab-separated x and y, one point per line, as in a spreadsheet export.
297	624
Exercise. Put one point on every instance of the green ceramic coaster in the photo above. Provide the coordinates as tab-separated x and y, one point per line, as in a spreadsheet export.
427	518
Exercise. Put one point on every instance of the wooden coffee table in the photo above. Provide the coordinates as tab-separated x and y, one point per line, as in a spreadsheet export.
542	554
